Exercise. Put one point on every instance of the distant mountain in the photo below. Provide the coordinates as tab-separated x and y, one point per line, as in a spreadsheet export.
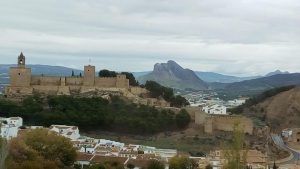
216	77
258	85
139	74
173	75
277	72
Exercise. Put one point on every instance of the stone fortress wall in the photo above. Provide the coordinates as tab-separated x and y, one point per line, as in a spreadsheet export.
212	123
22	82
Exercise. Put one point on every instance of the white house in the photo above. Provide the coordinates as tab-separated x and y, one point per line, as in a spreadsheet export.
287	133
215	109
10	127
89	148
166	153
71	132
9	131
109	143
237	102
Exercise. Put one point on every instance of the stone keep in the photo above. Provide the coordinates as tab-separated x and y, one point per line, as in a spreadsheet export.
89	75
20	76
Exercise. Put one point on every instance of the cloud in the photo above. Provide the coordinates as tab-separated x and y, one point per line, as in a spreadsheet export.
235	37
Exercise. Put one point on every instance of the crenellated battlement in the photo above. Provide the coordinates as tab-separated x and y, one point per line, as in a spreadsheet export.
21	77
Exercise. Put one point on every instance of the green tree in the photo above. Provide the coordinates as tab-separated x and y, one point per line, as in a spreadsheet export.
235	154
179	101
156	91
97	166
29	149
130	166
155	164
107	73
182	163
182	119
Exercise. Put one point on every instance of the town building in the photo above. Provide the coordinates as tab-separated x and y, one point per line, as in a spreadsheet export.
215	109
10	127
71	132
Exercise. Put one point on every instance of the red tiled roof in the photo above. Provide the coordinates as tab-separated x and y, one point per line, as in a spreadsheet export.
103	159
84	157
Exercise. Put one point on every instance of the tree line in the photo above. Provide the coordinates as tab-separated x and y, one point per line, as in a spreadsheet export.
156	90
95	114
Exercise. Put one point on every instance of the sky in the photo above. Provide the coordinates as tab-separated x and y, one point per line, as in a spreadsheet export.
234	37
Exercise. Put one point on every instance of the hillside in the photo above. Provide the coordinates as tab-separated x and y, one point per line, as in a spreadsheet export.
173	75
282	110
278	107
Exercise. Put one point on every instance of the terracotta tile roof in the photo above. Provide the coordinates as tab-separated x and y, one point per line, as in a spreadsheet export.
84	157
103	159
145	156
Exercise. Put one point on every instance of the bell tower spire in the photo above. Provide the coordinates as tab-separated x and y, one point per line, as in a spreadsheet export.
21	60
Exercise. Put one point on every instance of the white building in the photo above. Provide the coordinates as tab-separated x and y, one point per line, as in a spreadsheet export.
166	153
237	102
215	109
71	132
287	133
10	127
109	143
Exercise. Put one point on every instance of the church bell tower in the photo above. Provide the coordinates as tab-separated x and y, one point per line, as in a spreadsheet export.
20	76
21	60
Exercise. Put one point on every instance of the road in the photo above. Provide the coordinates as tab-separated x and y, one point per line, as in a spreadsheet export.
295	154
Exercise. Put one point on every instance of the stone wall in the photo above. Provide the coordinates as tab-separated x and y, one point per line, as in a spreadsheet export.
122	82
20	77
74	81
227	123
105	82
296	135
138	91
200	117
49	81
223	122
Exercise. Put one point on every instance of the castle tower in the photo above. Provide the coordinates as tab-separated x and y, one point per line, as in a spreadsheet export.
21	60
20	76
89	75
122	81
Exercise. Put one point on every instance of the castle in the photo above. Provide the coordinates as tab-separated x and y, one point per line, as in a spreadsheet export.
22	82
